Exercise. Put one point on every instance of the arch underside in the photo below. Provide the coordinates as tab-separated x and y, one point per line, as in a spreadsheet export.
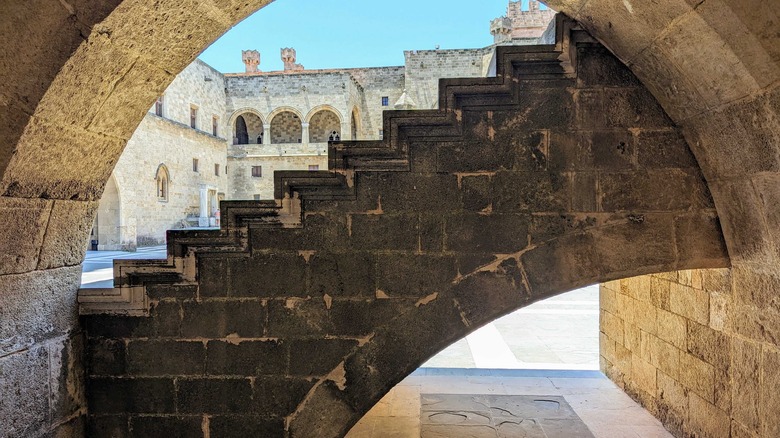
711	65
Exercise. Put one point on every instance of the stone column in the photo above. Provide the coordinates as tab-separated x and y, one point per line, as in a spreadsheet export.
346	131
305	133
266	133
203	217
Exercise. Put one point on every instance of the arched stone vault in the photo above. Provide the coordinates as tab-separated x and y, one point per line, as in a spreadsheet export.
78	79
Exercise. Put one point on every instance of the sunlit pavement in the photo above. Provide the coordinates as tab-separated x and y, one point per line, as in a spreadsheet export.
98	267
559	333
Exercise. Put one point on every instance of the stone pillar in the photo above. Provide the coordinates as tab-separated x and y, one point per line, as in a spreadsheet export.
203	216
266	133
305	133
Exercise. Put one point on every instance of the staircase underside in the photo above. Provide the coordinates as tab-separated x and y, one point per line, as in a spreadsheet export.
298	314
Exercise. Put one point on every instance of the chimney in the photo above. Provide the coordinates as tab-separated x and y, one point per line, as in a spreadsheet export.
251	60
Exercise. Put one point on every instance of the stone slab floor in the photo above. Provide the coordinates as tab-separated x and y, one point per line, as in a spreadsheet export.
604	408
547	349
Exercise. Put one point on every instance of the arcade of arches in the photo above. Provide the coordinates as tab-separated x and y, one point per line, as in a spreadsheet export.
79	77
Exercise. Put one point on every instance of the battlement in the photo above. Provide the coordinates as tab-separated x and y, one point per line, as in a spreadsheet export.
529	23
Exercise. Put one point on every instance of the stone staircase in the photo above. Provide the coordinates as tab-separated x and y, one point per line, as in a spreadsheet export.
298	314
515	66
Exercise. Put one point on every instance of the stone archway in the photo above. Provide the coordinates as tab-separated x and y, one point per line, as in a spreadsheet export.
324	125
354	127
109	219
286	127
248	128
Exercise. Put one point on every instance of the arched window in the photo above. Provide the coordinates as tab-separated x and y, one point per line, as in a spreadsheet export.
242	136
163	180
354	125
324	126
248	129
286	128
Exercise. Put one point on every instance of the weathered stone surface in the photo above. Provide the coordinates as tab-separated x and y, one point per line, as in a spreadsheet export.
324	415
31	180
386	231
164	320
709	345
247	358
24	381
342	274
218	319
66	363
317	357
530	191
769	398
160	358
600	68
699	240
108	425
282	274
239	426
68	223
698	375
663	149
412	275
22	217
213	395
691	303
128	31
707	419
646	190
168	425
278	396
140	395
106	356
495	233
37	306
410	192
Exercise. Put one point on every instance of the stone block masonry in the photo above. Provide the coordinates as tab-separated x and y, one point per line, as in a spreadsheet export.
694	350
305	329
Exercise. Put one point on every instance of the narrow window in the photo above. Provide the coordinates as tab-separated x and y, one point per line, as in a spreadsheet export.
214	126
194	117
381	134
385	101
194	164
314	167
257	171
163	179
216	169
158	106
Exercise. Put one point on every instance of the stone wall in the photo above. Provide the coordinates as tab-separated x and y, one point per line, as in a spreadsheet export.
424	68
371	85
692	348
143	217
202	86
244	186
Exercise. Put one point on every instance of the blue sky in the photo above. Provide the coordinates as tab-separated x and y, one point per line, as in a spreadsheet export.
354	33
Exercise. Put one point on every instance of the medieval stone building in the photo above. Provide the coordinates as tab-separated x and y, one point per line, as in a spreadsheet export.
638	149
214	136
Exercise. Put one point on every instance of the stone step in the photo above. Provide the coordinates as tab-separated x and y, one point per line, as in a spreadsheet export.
545	65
